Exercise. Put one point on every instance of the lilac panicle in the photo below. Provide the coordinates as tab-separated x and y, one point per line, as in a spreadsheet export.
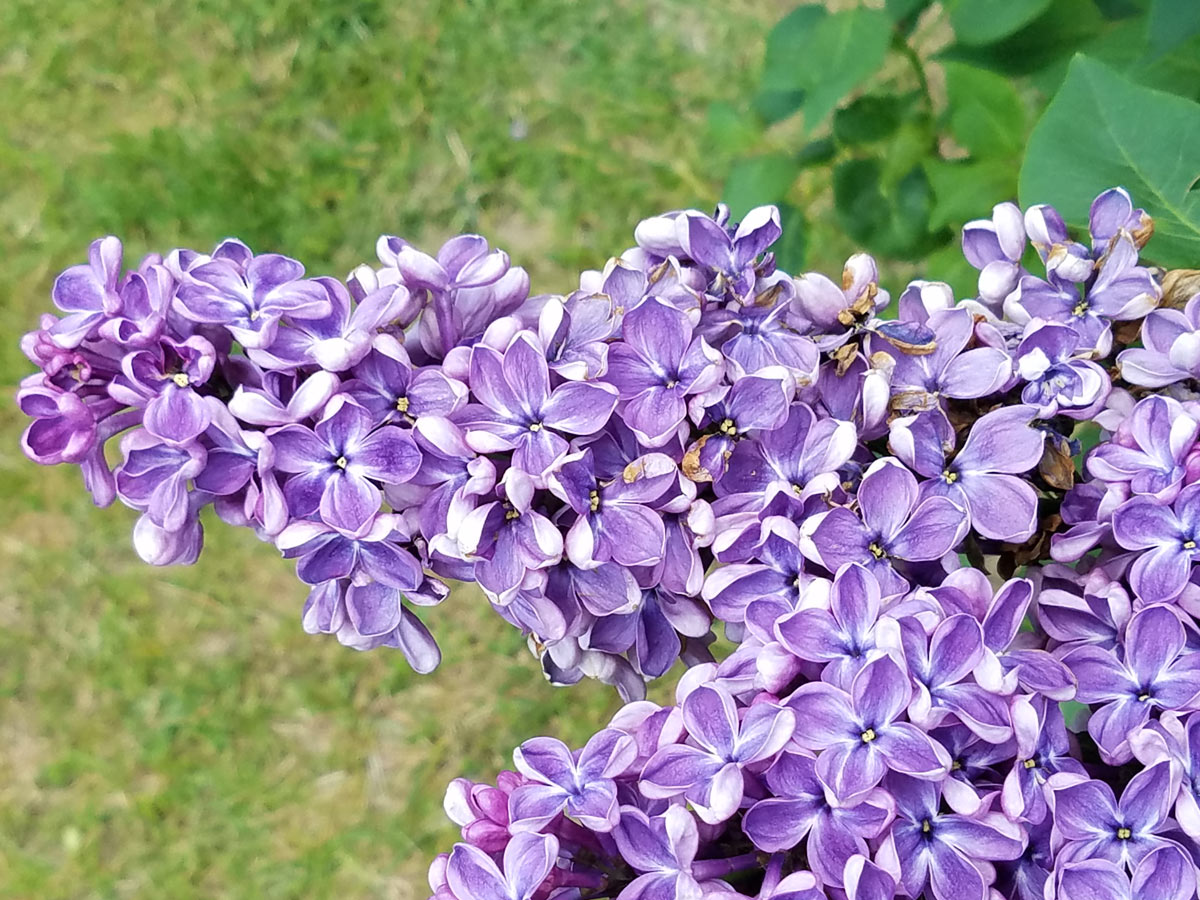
890	511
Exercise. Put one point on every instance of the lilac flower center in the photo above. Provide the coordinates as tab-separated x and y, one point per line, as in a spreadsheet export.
1030	763
926	827
594	500
869	735
340	462
877	551
535	426
950	476
1124	834
402	404
728	427
180	379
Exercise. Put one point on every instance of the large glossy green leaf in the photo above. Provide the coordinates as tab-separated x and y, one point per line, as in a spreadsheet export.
825	56
988	21
1102	130
985	111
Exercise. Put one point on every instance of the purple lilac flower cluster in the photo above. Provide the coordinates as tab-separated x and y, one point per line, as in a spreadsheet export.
894	722
693	435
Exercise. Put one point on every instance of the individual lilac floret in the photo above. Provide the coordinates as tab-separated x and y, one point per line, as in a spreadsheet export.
860	733
1176	738
950	370
1167	873
1043	750
250	301
387	385
471	874
945	853
1057	380
517	411
894	525
88	293
615	520
656	366
1168	537
1148	450
826	309
711	775
798	810
326	554
509	537
468	286
662	849
339	340
337	465
582	786
983	477
1157	673
995	246
1090	824
800	458
841	637
1170	350
941	665
710	245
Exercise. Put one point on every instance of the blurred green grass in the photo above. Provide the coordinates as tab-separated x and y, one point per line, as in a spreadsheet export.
173	733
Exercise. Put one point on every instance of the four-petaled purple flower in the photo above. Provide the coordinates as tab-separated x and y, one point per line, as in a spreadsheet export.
581	784
710	775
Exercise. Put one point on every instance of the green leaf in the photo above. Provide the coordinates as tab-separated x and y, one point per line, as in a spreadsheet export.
891	220
1102	130
826	56
1054	35
775	106
985	111
959	186
758	180
1171	23
786	43
988	21
870	118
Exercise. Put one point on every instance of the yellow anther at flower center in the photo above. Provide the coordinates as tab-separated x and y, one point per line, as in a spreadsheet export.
536	426
728	427
1080	308
180	379
797	489
1143	697
1030	764
869	735
1189	545
1124	834
950	477
925	826
341	462
877	551
402	404
255	316
511	514
672	383
594	500
955	766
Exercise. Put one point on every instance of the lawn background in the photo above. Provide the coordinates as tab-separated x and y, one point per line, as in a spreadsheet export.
173	733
